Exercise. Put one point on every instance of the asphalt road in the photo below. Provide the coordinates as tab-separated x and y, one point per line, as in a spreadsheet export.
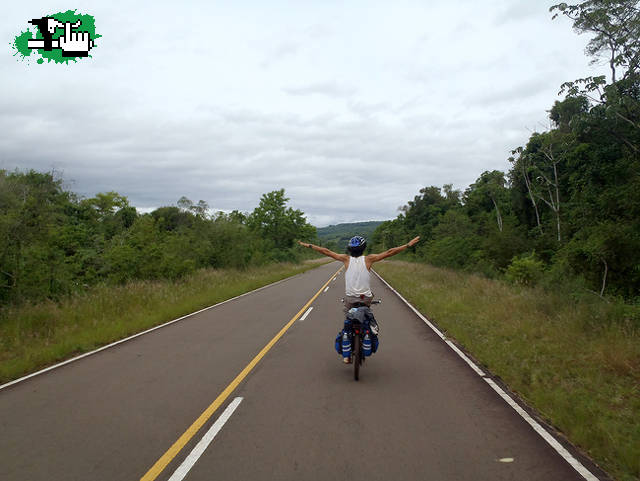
418	411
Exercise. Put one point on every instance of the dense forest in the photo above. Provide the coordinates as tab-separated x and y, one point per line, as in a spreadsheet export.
568	210
55	243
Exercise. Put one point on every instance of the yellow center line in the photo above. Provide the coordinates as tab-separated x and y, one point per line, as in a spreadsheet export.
172	452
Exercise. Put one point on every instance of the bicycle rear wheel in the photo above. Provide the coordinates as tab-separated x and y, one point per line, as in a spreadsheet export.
355	356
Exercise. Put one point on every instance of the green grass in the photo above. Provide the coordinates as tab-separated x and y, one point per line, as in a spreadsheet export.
576	359
35	336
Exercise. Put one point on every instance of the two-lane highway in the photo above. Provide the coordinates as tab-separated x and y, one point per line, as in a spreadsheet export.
418	412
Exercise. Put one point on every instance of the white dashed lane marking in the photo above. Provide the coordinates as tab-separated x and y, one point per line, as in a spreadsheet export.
188	463
304	316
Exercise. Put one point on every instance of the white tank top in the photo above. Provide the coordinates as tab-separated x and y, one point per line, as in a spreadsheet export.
358	278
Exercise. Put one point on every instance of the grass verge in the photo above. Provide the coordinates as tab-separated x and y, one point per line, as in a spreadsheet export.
576	360
35	336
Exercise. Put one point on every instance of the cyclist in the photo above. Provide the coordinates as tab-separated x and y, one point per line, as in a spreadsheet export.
357	276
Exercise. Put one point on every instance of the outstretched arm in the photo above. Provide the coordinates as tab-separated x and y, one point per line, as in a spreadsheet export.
323	250
370	259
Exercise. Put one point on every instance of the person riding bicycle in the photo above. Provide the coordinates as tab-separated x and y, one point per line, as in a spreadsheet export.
357	276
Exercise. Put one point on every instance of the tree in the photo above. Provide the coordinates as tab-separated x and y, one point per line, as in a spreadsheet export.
540	163
52	242
521	165
487	193
547	179
33	212
453	243
616	28
423	213
563	113
389	234
107	203
199	210
279	224
173	218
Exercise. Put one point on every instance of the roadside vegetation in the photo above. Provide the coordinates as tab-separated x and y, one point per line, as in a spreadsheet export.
33	336
53	243
568	210
77	273
575	358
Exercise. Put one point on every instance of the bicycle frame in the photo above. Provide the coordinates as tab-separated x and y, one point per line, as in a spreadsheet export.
357	356
357	331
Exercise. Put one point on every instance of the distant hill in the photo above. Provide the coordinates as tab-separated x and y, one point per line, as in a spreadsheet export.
337	236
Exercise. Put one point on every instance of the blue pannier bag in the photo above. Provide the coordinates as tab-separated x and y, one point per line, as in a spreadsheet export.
373	339
374	343
347	329
366	317
366	344
339	343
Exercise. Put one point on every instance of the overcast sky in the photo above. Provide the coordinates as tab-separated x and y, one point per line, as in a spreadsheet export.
352	107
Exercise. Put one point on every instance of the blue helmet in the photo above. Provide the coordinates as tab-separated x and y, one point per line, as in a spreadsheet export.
357	245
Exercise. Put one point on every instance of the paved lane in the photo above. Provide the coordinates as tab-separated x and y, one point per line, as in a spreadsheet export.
112	415
418	412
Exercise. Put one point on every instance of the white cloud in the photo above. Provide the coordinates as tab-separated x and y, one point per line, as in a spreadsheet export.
351	108
330	89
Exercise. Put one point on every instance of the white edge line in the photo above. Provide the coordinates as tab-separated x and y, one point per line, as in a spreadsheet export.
86	354
202	445
575	464
418	313
304	316
464	357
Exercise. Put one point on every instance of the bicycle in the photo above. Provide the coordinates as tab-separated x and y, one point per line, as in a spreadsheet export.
360	326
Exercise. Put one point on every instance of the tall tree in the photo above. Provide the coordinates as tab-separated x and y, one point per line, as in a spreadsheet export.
522	167
279	224
488	193
615	25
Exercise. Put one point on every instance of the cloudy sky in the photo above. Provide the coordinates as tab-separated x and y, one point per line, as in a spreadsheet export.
352	107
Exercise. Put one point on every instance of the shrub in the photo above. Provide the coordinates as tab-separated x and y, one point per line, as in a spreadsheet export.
525	270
